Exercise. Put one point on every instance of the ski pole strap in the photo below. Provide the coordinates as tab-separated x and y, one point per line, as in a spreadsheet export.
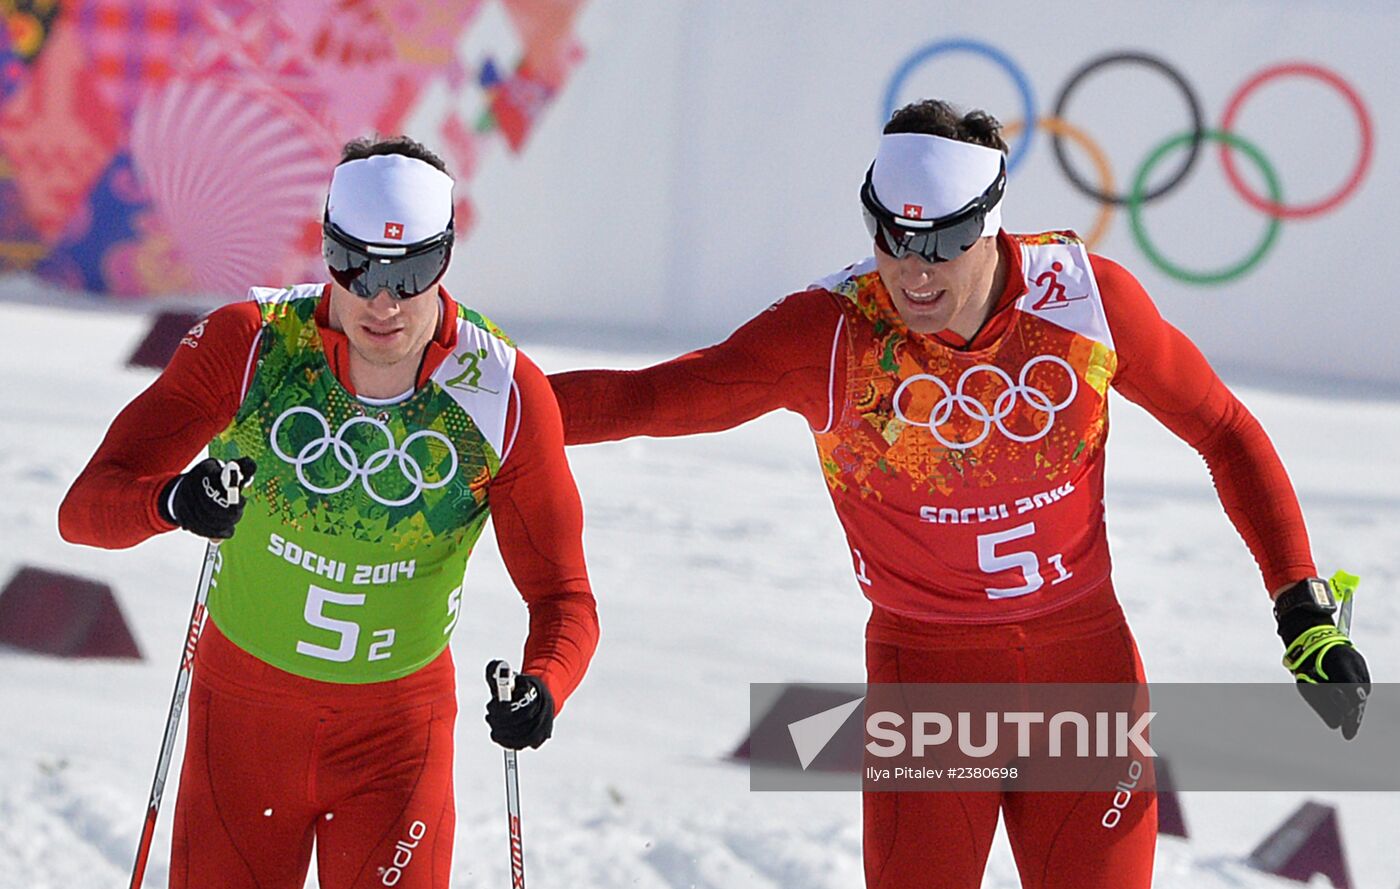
232	479
1344	588
505	682
1304	657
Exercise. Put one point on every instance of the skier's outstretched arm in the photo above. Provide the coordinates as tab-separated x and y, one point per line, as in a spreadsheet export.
113	503
1160	369
538	518
783	358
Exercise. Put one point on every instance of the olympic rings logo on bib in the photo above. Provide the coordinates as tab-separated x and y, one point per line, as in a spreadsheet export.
1187	143
314	453
974	410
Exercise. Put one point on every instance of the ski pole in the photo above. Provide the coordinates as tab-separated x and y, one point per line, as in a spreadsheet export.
1344	588
232	479
505	687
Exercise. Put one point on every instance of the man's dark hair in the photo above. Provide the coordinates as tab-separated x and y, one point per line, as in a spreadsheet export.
365	146
934	117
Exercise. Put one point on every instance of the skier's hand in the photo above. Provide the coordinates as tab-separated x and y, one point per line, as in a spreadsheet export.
527	719
1331	674
198	501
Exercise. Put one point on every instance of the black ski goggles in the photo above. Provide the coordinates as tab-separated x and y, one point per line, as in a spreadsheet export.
364	269
932	240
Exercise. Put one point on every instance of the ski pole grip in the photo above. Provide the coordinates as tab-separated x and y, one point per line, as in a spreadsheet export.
505	681
232	479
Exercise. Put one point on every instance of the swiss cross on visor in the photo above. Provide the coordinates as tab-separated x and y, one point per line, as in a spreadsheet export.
393	231
913	211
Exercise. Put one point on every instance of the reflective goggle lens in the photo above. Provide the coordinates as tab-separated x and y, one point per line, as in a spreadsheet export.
942	244
365	274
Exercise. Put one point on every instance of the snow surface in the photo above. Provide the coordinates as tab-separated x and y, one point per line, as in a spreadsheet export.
717	562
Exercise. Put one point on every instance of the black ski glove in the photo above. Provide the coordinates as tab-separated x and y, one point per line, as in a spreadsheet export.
1331	674
198	501
527	719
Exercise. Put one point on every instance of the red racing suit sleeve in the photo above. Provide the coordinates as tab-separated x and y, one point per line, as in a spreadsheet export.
538	518
112	504
1160	369
786	357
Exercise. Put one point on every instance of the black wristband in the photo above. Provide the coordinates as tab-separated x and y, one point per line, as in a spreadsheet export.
1306	604
1311	594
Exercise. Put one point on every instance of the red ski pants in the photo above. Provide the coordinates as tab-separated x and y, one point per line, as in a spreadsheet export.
274	760
940	840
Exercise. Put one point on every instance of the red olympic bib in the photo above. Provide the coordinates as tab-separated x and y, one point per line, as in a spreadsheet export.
970	483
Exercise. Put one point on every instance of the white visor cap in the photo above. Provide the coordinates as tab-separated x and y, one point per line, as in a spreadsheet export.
919	176
390	199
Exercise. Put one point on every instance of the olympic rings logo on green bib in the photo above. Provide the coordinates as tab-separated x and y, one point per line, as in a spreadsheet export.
1022	132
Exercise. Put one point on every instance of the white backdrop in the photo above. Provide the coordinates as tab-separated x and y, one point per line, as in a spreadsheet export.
707	158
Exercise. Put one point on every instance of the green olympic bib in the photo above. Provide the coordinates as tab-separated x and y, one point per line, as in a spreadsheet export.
348	563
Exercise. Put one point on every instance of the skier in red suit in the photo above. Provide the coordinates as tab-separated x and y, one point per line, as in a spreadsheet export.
323	699
956	384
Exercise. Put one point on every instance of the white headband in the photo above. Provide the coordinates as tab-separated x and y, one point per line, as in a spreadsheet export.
924	177
390	199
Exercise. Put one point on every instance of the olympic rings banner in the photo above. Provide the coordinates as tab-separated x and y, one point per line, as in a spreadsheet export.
153	147
1184	147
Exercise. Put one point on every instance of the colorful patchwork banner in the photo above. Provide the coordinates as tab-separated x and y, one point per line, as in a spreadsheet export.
153	147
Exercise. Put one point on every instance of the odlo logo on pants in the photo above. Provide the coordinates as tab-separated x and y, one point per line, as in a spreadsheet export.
1122	795
403	854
